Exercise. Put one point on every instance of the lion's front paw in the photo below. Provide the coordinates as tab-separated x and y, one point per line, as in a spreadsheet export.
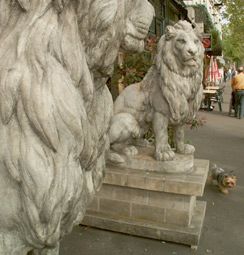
130	151
187	149
164	154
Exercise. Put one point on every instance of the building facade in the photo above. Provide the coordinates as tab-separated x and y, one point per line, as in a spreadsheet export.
167	12
205	13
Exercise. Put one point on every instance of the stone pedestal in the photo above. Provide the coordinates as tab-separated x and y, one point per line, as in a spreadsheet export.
151	203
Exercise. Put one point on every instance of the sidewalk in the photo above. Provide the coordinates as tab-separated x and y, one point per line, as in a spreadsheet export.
221	140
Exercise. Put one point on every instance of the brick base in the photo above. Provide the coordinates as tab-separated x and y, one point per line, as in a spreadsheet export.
151	204
185	235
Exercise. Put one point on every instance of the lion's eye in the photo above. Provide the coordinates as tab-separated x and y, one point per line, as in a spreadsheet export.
196	41
181	41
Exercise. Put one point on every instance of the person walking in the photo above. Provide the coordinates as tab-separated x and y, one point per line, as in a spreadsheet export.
237	88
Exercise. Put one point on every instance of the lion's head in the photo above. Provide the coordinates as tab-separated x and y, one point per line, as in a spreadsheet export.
139	16
181	49
107	26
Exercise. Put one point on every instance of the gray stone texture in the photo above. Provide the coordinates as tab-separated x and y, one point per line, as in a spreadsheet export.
55	111
151	203
186	184
169	94
167	232
144	159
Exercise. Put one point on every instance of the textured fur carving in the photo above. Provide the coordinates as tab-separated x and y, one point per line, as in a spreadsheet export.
132	16
54	114
46	143
170	93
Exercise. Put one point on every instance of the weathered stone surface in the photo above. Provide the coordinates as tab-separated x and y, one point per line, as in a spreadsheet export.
114	207
177	217
152	203
144	159
170	200
123	194
55	111
169	94
147	197
139	204
147	213
189	235
144	196
187	184
94	205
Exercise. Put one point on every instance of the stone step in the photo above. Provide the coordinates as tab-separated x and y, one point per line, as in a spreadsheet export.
150	206
189	235
183	183
145	160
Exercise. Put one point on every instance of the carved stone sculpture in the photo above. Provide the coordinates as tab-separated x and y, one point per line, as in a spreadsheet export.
170	93
55	57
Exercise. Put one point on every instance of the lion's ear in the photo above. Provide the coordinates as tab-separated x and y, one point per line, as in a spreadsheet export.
25	4
170	32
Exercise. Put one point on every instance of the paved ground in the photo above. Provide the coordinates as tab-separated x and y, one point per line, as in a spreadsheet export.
221	140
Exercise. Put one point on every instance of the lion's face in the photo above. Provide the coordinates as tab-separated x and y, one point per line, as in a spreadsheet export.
186	47
108	25
139	15
181	49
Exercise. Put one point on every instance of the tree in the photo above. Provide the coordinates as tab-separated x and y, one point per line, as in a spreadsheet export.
233	30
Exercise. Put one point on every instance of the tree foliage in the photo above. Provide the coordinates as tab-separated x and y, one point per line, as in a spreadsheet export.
233	30
217	44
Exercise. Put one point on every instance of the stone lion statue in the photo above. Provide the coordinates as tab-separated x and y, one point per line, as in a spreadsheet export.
170	94
55	110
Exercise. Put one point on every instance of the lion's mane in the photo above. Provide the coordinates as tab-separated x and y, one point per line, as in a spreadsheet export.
47	143
177	81
55	58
